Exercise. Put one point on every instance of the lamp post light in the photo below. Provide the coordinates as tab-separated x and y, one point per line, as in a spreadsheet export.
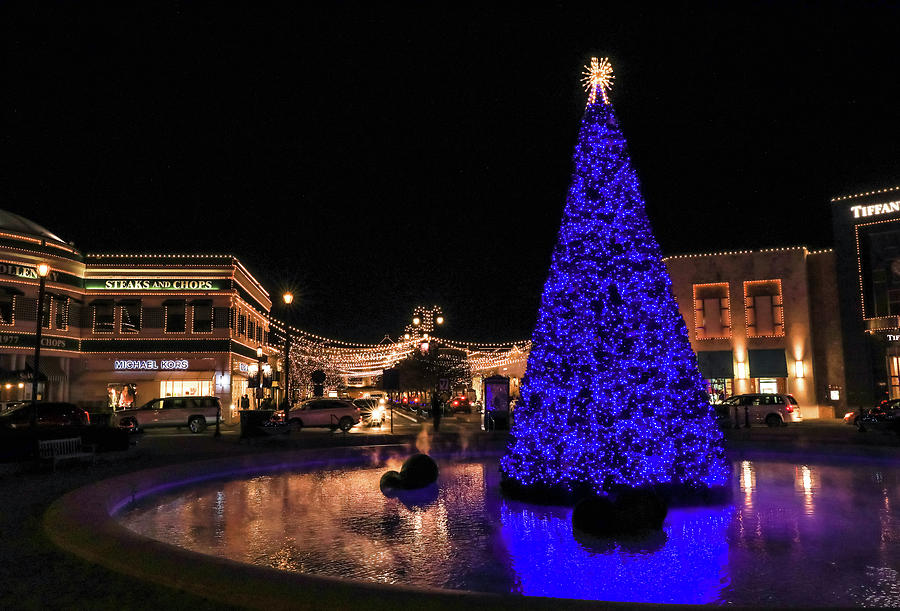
259	375
288	300
43	270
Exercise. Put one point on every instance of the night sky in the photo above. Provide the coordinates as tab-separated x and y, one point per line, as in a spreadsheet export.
380	156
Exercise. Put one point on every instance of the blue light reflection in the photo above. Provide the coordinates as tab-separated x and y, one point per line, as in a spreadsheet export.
690	566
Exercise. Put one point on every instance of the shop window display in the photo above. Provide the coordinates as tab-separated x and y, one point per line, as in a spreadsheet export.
185	388
121	396
719	389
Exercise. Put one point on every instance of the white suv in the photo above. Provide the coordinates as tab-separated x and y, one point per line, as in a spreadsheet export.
329	413
771	409
193	412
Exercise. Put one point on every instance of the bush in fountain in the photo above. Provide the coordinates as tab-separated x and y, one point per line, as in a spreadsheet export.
390	483
633	511
418	471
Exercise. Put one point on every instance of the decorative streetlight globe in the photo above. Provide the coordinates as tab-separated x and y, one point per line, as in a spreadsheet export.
417	320
259	352
43	269
439	320
406	336
288	298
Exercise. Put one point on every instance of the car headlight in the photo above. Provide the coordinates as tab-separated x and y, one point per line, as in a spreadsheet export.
378	414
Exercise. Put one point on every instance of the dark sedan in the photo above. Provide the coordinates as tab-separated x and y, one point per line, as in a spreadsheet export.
884	417
48	414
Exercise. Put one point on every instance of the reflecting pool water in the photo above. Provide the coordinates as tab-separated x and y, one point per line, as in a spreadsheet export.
818	534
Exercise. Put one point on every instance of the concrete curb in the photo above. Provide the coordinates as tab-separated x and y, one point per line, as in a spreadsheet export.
82	523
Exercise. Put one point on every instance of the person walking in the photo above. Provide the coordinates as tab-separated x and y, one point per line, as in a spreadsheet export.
436	411
245	402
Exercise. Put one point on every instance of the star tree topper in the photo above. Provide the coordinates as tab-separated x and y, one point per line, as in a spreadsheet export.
598	75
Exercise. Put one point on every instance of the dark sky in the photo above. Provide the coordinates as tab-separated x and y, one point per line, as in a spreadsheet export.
379	156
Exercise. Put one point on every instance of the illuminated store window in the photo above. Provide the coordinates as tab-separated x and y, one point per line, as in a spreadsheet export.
7	307
712	311
894	369
103	316
763	308
131	316
175	316
768	385
62	313
203	317
185	388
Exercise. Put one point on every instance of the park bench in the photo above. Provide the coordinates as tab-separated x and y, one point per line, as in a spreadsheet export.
56	450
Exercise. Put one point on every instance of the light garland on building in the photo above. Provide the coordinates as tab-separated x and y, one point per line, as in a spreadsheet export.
864	194
699	312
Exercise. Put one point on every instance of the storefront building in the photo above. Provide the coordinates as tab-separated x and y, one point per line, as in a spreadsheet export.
867	244
765	322
120	330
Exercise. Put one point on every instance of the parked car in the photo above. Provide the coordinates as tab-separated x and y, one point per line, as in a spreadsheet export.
725	415
459	404
883	417
48	414
329	413
193	412
769	408
8	405
371	411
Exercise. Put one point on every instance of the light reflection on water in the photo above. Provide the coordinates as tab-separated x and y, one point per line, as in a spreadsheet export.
797	534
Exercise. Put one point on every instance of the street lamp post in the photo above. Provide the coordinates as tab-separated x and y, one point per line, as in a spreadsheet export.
43	270
288	299
259	375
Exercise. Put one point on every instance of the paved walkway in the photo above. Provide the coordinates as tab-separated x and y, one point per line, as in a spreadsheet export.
34	574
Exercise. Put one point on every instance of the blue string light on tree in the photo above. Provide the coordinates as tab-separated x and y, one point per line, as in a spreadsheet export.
611	397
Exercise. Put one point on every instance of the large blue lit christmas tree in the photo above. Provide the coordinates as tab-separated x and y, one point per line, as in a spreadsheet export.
612	397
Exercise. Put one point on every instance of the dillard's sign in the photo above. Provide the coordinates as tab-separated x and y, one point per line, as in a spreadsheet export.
22	271
875	209
151	285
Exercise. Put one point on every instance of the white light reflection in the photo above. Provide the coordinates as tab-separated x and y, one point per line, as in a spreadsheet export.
804	482
748	483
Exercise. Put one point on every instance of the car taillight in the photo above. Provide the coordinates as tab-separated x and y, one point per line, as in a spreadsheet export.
456	403
789	408
87	418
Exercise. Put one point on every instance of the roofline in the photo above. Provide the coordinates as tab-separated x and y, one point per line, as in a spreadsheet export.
748	252
864	194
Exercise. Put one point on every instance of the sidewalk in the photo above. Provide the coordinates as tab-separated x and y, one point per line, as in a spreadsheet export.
815	437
